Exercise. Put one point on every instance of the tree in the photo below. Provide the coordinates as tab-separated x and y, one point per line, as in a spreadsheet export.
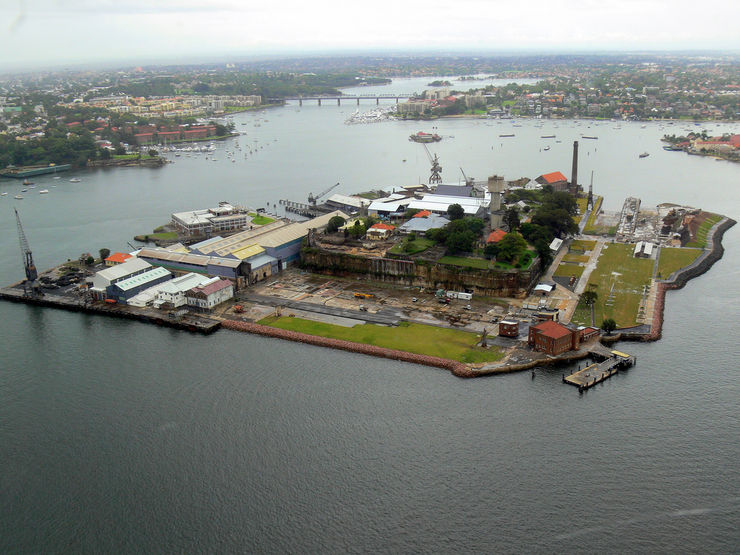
460	241
104	253
510	247
455	211
105	154
609	325
334	224
511	217
152	152
589	298
490	250
89	261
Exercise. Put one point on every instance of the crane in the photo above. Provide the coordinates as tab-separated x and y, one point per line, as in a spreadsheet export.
468	180
313	199
28	265
436	170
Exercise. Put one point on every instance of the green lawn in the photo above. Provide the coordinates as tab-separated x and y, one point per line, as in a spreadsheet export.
567	270
414	247
570	257
414	338
582	245
672	259
165	236
701	233
591	228
619	272
259	219
480	263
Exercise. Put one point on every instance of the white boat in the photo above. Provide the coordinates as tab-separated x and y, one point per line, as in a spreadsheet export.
3	194
43	191
57	177
74	180
18	197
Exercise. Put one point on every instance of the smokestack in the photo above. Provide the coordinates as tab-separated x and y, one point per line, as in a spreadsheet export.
574	170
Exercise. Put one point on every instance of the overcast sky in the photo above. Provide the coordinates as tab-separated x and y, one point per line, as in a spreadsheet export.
51	32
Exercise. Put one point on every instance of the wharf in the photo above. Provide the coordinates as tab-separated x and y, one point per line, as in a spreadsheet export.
600	371
29	171
188	322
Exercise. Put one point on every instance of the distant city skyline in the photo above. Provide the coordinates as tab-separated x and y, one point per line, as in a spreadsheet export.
47	33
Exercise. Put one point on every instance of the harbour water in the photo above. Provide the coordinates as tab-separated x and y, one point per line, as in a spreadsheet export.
117	436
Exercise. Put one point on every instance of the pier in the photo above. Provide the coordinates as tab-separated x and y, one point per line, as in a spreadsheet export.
600	371
302	209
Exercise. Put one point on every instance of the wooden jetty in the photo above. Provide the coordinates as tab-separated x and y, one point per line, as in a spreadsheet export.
600	371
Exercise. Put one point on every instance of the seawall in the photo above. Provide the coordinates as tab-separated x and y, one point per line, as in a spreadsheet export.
457	368
680	278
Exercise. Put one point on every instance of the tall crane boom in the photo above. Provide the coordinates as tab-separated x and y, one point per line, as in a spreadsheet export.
28	265
436	171
313	199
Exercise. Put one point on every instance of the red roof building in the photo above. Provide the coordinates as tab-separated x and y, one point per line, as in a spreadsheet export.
422	214
553	338
117	258
495	236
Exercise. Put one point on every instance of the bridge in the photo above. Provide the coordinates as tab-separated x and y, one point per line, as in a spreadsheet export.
357	97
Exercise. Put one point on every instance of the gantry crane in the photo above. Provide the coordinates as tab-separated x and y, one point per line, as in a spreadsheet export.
313	199
435	177
28	265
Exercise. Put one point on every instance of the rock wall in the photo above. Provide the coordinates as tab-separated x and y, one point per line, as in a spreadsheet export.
423	273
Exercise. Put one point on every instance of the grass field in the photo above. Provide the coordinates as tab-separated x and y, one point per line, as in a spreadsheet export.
618	272
480	263
701	233
572	257
567	270
414	338
672	259
591	228
419	245
259	219
581	245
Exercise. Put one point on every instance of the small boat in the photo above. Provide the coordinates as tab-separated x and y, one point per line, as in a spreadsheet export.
74	180
3	194
18	197
43	191
588	137
547	136
24	190
57	177
27	182
644	155
546	148
507	135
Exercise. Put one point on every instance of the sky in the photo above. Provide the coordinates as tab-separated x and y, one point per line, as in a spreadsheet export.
47	33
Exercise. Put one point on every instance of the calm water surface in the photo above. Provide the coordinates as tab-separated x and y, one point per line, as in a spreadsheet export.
121	437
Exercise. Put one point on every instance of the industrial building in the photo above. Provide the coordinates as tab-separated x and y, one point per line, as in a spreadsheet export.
224	217
209	294
105	278
122	291
183	263
439	204
424	223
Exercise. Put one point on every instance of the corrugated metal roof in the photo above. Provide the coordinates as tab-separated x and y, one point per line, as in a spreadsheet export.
296	230
142	279
261	260
247	252
194	259
130	266
228	245
211	287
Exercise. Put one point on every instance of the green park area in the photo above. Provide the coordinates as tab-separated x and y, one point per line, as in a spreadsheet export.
618	281
259	219
701	233
566	270
420	244
581	245
414	338
479	263
592	228
672	259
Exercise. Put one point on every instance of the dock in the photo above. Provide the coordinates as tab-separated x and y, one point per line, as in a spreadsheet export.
189	322
600	371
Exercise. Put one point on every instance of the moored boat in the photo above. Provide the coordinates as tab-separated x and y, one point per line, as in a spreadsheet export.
422	137
644	155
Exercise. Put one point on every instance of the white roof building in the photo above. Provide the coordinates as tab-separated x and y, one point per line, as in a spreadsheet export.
472	206
131	267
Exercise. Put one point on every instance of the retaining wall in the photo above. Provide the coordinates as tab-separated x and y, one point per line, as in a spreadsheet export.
457	368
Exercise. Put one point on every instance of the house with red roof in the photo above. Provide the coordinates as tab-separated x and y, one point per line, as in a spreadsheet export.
380	231
422	214
555	179
117	258
495	236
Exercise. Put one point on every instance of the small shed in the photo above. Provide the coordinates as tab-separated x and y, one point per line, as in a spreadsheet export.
508	328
